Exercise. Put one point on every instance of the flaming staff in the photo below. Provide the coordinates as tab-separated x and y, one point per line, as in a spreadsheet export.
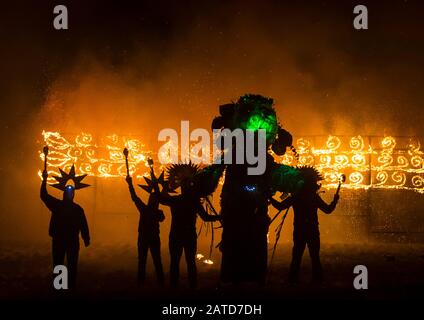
45	152
368	162
126	161
342	179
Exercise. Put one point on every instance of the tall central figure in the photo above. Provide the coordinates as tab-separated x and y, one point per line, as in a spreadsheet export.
245	197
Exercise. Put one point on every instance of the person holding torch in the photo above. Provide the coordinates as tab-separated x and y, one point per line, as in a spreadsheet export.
306	203
148	227
67	219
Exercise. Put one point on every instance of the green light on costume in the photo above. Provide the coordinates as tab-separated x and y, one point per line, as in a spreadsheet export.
267	123
286	179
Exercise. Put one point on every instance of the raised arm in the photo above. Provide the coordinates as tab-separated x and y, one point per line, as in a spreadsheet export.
165	199
205	216
286	203
327	208
48	200
134	196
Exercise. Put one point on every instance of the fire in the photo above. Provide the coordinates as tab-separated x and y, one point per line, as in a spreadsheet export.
367	162
371	162
99	159
201	257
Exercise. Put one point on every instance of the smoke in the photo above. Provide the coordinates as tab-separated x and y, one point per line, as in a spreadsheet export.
325	76
135	70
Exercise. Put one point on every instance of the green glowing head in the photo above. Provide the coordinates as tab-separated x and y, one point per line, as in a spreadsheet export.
256	112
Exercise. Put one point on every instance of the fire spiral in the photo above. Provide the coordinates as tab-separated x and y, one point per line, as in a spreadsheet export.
368	162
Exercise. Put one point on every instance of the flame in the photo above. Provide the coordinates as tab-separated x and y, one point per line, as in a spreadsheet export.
201	257
368	162
98	160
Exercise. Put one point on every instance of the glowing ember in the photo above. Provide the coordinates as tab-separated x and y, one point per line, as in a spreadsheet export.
199	256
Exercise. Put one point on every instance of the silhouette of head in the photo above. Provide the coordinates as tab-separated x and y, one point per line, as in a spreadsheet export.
69	193
311	178
187	187
153	199
254	112
182	175
69	190
153	184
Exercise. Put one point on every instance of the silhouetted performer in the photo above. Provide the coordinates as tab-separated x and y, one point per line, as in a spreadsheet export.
66	222
184	210
148	232
305	205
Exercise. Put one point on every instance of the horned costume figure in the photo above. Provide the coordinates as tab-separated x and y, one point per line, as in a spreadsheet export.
184	210
148	226
67	221
305	205
244	197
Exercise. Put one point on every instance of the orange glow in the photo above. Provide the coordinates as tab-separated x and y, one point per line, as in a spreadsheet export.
94	159
370	162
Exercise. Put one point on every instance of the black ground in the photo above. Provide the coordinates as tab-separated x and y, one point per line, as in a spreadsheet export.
395	271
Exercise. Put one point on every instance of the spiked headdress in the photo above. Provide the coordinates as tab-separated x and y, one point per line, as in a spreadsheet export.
153	182
180	173
65	177
310	174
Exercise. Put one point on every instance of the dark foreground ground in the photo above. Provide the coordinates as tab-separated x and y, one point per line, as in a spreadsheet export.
395	271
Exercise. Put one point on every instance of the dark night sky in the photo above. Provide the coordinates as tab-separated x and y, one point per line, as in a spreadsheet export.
305	55
319	38
123	63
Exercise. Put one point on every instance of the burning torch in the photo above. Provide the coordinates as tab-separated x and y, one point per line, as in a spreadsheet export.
342	179
126	161
46	152
150	163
